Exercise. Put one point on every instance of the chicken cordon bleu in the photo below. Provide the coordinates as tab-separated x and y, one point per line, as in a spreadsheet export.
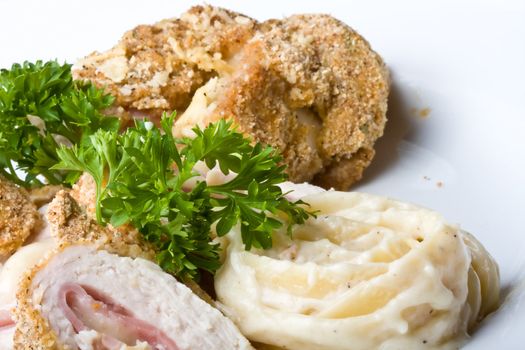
84	298
32	233
308	85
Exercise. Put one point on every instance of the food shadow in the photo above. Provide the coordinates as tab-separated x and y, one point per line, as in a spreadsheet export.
401	124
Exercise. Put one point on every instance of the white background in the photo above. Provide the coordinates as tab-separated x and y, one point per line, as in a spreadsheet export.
465	61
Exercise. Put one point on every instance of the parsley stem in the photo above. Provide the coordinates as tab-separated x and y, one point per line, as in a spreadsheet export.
12	174
11	177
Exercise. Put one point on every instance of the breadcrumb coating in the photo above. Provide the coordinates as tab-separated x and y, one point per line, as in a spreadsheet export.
18	217
155	68
32	329
71	224
308	85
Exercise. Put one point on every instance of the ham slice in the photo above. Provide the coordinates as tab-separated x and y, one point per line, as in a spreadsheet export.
98	312
7	328
5	319
84	298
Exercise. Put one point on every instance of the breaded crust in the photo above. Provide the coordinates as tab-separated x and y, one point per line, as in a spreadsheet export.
70	224
156	68
351	99
18	217
32	330
312	87
308	85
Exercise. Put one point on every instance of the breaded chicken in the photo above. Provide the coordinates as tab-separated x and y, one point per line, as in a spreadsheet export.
18	217
308	85
84	298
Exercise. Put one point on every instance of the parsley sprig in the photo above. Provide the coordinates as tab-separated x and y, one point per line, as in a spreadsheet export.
140	176
40	107
53	129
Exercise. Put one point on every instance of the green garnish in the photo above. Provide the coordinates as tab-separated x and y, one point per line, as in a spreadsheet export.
52	129
40	107
140	176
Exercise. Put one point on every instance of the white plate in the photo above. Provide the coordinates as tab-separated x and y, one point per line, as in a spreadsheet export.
462	62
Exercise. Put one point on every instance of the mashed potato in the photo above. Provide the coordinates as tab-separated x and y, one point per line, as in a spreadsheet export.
367	273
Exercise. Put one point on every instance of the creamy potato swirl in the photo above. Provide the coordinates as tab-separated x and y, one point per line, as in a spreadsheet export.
367	273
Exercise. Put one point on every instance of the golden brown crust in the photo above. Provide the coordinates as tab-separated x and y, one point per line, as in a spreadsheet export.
312	87
32	330
254	97
350	96
158	67
308	85
345	171
70	224
18	217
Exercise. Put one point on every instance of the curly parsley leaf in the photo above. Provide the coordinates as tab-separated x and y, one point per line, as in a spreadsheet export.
41	107
141	176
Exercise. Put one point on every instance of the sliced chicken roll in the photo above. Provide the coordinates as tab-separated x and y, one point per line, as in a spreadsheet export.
84	298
